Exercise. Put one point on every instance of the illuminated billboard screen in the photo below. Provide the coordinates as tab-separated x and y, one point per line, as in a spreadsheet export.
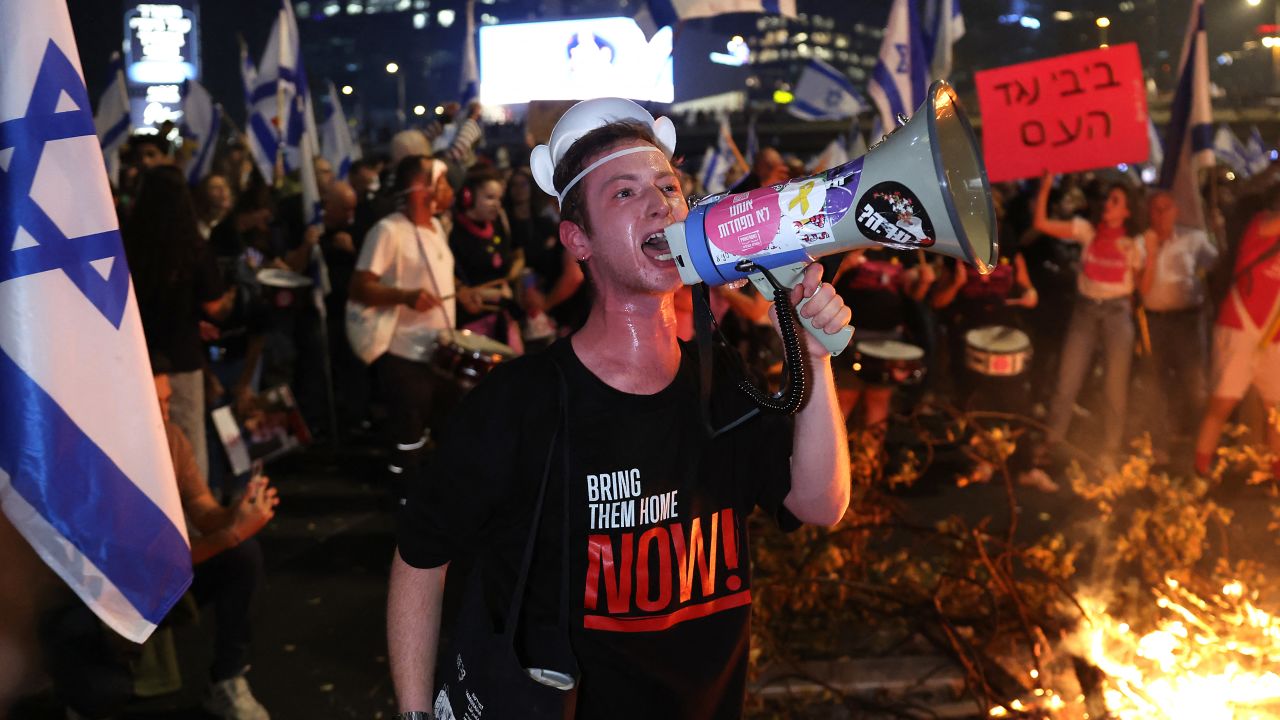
161	44
574	60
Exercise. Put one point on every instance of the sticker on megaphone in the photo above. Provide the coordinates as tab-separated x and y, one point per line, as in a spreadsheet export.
790	217
890	214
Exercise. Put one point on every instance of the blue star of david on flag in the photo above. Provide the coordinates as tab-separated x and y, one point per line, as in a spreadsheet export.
31	242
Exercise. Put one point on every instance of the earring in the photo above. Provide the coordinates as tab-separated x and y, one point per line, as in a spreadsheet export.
582	258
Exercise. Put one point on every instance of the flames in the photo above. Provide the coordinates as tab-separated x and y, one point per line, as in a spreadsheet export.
1205	656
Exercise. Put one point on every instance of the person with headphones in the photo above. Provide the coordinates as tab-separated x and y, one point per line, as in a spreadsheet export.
638	561
406	269
486	258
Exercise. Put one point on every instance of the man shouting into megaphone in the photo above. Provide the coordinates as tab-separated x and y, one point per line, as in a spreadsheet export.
605	527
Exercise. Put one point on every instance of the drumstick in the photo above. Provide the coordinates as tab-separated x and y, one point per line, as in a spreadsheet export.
1144	346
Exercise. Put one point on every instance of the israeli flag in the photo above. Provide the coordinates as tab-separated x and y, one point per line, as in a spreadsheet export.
1257	155
1188	140
1230	151
1156	145
857	143
336	144
670	12
943	26
112	122
835	154
470	82
824	93
717	161
282	123
901	77
201	121
272	109
85	472
753	141
249	78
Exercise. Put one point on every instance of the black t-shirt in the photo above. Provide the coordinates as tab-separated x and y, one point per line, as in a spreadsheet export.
478	258
660	571
171	316
539	237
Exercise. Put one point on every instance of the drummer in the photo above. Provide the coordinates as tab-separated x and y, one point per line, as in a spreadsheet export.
880	288
972	301
406	264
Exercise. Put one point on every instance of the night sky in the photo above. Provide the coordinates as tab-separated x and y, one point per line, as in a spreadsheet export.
99	30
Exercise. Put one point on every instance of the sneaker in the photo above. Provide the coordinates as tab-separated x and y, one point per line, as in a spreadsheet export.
231	700
1038	479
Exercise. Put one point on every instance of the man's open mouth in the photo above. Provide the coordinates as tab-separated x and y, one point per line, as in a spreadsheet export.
655	246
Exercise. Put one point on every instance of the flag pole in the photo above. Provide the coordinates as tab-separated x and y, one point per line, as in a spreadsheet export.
281	42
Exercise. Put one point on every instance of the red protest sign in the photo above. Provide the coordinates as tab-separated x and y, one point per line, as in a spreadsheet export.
1065	114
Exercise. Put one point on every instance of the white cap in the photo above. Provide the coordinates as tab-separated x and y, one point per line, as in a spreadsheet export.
581	119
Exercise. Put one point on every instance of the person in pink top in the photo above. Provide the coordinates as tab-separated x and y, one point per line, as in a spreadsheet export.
1246	336
1103	310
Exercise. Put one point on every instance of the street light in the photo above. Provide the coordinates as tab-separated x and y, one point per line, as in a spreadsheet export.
347	89
394	69
419	110
1103	23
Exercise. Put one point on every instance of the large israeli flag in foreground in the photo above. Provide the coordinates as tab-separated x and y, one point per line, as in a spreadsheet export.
85	473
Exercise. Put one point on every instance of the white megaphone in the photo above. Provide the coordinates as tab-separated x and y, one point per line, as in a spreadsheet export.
923	187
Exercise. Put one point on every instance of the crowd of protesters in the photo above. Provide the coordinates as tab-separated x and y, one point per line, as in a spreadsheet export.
436	261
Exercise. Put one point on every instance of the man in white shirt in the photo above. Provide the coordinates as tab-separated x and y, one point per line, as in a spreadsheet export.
403	284
1173	296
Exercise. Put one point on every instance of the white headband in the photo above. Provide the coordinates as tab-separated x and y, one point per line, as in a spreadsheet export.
611	156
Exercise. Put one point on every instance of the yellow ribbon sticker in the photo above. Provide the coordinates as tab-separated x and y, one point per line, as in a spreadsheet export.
802	198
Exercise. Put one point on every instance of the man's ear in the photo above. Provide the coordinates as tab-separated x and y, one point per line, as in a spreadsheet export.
575	240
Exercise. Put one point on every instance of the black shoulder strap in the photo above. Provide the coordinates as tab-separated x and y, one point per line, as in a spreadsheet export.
517	596
702	319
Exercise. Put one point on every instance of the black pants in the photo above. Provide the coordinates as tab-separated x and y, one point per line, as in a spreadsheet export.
89	665
408	388
229	582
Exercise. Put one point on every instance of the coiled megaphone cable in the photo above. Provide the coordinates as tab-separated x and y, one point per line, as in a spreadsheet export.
786	401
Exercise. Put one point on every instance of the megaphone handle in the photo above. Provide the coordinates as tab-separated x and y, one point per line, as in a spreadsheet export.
790	276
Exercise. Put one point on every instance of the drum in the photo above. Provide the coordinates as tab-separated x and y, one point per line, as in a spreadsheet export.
888	362
282	288
997	351
466	357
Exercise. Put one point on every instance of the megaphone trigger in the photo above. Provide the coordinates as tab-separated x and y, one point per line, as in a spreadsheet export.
779	282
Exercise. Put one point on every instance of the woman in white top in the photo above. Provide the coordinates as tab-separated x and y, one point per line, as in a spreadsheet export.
405	270
1103	310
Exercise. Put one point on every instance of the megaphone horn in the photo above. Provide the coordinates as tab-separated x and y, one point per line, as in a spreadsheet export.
923	187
